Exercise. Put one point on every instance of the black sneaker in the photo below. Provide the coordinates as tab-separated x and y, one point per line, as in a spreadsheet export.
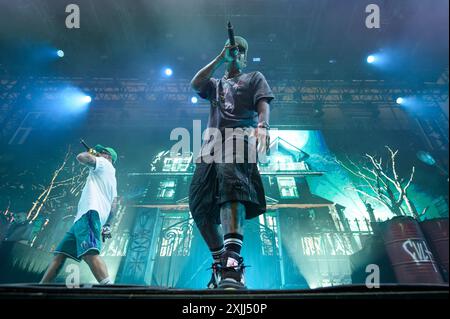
215	276
232	271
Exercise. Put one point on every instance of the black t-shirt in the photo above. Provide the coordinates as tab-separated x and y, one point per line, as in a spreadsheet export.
234	101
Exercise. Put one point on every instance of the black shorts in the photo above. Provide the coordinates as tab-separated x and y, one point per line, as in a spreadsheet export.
217	183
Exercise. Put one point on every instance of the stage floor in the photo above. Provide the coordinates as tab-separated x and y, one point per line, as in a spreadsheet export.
35	291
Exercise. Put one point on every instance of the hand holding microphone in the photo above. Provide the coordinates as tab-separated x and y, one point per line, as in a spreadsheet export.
233	49
88	149
106	232
229	52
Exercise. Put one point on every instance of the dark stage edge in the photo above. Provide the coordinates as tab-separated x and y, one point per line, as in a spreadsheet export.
353	292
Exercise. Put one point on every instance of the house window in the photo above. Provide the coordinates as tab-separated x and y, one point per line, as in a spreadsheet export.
268	233
287	187
176	164
282	162
167	189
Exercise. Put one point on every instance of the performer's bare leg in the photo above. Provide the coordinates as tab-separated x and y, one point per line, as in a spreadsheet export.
53	269
232	216
98	268
212	234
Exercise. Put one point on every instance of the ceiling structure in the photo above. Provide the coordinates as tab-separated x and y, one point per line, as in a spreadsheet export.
313	54
299	39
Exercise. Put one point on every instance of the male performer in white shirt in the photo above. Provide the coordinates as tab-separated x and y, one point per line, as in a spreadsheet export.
96	209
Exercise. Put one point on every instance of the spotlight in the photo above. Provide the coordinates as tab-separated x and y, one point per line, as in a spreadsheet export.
60	53
400	100
86	99
194	100
371	59
72	99
168	71
256	59
426	158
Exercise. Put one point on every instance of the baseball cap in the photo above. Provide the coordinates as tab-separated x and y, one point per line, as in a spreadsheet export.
100	148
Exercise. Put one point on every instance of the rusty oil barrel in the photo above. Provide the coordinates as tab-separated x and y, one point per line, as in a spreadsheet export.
410	255
436	233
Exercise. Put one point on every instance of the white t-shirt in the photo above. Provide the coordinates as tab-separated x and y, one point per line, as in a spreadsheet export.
99	191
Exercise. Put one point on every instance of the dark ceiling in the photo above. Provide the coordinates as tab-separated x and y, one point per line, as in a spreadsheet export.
294	38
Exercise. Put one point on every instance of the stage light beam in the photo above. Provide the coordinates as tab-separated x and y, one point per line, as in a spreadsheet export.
168	71
371	59
60	53
86	99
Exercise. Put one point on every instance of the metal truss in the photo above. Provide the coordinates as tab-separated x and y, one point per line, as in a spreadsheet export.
146	103
158	91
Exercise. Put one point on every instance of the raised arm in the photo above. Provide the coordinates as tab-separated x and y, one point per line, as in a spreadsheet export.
202	76
87	159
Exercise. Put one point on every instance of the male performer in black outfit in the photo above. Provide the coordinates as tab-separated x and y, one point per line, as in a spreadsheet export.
224	193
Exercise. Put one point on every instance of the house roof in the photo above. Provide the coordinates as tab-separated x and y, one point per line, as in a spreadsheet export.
280	145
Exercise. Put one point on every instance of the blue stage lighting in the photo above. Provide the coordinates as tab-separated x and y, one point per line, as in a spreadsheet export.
194	100
60	53
86	99
168	71
371	59
72	100
400	100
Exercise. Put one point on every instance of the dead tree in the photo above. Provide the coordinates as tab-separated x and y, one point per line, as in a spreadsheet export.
68	187
382	184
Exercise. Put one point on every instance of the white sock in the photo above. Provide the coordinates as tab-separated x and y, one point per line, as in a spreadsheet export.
106	281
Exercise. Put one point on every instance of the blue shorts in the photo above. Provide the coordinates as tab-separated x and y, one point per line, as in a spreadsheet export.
83	237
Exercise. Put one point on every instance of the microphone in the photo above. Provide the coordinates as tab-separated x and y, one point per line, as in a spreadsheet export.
231	38
84	144
231	34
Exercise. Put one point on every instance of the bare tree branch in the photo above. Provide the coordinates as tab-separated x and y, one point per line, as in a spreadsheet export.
410	179
380	186
379	194
379	168
46	193
424	211
393	155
